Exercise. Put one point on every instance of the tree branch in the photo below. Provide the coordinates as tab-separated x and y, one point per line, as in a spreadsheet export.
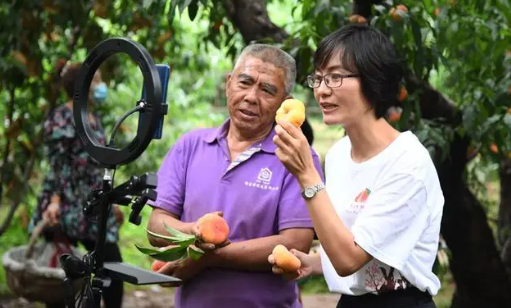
10	115
258	26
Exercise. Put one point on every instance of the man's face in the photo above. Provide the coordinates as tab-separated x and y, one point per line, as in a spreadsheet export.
254	91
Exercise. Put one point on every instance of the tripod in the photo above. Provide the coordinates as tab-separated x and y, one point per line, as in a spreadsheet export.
91	269
98	205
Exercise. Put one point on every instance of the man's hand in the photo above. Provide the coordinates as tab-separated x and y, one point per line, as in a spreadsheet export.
184	269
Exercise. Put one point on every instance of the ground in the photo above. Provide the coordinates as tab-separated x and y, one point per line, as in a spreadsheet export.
157	297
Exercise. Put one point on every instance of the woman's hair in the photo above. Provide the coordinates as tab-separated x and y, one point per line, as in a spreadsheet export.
368	52
68	73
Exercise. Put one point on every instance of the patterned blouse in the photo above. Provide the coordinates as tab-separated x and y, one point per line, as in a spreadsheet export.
73	173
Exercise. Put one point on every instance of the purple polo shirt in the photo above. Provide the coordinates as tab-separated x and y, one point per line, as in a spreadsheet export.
258	197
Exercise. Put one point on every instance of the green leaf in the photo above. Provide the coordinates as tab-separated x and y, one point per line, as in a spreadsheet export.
147	3
183	5
181	241
194	252
147	251
177	233
170	254
192	10
507	120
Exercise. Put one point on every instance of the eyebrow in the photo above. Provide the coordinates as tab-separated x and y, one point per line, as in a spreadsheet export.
245	77
266	86
270	88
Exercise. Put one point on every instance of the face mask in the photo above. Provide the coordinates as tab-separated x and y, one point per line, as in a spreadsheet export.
99	93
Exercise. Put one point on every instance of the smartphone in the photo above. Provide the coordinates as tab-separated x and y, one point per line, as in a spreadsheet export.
164	72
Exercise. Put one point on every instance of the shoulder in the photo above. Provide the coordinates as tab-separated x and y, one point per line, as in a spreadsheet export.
188	143
410	156
412	162
195	136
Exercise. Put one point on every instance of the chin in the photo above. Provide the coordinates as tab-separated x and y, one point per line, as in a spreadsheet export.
329	120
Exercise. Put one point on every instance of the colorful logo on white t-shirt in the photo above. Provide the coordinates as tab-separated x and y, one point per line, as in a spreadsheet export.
359	202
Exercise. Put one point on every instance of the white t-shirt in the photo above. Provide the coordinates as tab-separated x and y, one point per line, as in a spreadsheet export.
393	205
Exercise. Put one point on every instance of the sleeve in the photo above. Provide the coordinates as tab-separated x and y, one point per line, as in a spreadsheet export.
292	210
58	135
171	180
393	219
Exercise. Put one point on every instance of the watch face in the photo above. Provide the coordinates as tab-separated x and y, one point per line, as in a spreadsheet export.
309	192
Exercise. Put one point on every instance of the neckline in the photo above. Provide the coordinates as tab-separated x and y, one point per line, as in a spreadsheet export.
376	158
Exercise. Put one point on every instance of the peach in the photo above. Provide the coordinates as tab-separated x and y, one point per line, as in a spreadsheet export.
212	228
293	111
403	94
285	259
157	265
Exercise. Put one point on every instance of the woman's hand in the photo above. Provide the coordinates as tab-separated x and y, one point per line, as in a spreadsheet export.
52	213
306	268
293	150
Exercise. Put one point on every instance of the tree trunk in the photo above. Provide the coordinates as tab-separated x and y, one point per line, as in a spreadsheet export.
505	214
475	263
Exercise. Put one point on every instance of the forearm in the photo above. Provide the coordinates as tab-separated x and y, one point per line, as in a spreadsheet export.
336	239
156	224
253	254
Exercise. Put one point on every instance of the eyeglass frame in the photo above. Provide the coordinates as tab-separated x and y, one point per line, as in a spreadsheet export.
322	78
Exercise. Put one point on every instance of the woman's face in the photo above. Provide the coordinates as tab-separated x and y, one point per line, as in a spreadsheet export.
98	89
342	105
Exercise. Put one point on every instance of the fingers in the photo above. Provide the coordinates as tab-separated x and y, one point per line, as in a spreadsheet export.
271	259
227	242
283	135
168	268
205	246
277	270
294	132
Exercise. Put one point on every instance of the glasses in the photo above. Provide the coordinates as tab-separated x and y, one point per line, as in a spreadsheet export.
331	80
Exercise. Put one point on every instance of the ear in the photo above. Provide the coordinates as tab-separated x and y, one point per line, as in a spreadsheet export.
289	96
228	80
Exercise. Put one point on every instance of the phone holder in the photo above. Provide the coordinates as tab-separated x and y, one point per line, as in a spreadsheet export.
151	111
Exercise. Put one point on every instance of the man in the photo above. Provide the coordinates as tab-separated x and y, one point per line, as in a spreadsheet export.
233	169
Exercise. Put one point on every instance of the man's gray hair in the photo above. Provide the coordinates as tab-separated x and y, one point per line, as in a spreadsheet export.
275	56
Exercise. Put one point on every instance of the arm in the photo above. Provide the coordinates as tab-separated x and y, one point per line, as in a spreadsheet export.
155	224
245	255
253	254
387	229
337	240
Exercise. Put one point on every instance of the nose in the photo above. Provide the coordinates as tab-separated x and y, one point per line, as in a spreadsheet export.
323	90
251	96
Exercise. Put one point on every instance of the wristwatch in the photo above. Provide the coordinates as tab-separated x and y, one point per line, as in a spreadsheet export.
309	192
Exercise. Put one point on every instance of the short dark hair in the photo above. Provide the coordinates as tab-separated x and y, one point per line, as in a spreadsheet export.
366	51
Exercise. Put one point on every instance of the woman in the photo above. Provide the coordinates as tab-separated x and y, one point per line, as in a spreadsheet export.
378	220
72	175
